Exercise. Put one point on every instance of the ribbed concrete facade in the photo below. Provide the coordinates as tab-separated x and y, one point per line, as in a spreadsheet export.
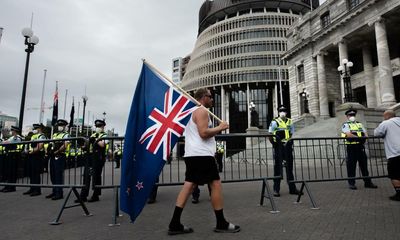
238	54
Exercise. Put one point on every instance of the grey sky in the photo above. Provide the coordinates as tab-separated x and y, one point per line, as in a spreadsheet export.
93	43
97	43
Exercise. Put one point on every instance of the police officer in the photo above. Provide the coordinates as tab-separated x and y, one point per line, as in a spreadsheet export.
13	156
283	128
2	161
118	155
352	131
58	157
36	155
219	155
97	158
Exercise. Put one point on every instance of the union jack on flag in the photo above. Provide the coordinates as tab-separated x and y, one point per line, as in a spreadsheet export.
158	117
167	123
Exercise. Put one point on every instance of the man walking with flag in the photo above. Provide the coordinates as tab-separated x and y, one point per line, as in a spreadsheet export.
201	167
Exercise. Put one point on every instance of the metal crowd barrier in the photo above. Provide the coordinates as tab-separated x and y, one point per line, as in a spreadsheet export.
324	159
246	158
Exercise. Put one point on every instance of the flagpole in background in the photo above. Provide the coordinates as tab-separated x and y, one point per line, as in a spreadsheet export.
65	102
77	123
179	88
41	100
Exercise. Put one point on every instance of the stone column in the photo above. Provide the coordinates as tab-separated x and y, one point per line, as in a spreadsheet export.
385	66
322	88
369	77
343	54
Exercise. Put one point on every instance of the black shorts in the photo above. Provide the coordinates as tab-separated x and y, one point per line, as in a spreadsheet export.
394	168
201	170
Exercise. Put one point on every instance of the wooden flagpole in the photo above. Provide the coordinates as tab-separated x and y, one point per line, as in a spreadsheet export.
180	89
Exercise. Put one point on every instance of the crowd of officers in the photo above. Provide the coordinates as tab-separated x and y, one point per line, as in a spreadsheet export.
355	136
39	156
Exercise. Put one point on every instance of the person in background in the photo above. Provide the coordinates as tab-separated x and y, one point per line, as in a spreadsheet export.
389	129
354	132
36	155
13	156
58	159
282	127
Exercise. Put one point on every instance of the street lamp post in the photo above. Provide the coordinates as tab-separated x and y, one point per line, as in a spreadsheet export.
30	41
84	98
305	95
344	71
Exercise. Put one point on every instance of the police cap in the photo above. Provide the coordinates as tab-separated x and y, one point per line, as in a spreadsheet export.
99	123
351	112
61	122
16	129
282	109
37	125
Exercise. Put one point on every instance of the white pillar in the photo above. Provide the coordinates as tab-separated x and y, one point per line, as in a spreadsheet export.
369	77
384	64
322	88
248	105
343	54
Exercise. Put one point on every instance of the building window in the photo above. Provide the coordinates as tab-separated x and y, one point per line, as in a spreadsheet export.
176	63
325	19
353	3
300	73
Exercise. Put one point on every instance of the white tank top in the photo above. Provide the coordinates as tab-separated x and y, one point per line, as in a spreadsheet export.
194	144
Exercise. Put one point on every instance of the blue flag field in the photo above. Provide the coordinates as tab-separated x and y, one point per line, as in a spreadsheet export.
158	117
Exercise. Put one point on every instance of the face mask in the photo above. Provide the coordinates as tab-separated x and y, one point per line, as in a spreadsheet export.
98	130
35	131
282	114
352	118
60	128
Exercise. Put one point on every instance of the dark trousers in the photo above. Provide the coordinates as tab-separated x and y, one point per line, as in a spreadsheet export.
356	153
2	166
11	166
283	152
92	173
117	161
36	164
154	190
57	167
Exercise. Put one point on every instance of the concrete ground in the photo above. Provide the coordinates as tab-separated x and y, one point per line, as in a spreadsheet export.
343	214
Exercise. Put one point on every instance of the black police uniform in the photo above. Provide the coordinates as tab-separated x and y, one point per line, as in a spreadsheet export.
57	162
94	165
13	156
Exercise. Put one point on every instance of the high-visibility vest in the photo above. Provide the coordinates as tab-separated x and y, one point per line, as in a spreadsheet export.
58	144
1	148
33	138
98	136
16	147
283	129
220	148
356	128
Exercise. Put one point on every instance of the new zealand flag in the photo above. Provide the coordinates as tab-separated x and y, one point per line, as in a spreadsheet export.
158	117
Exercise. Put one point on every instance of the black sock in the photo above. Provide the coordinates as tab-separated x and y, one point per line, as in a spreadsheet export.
221	222
397	190
175	223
